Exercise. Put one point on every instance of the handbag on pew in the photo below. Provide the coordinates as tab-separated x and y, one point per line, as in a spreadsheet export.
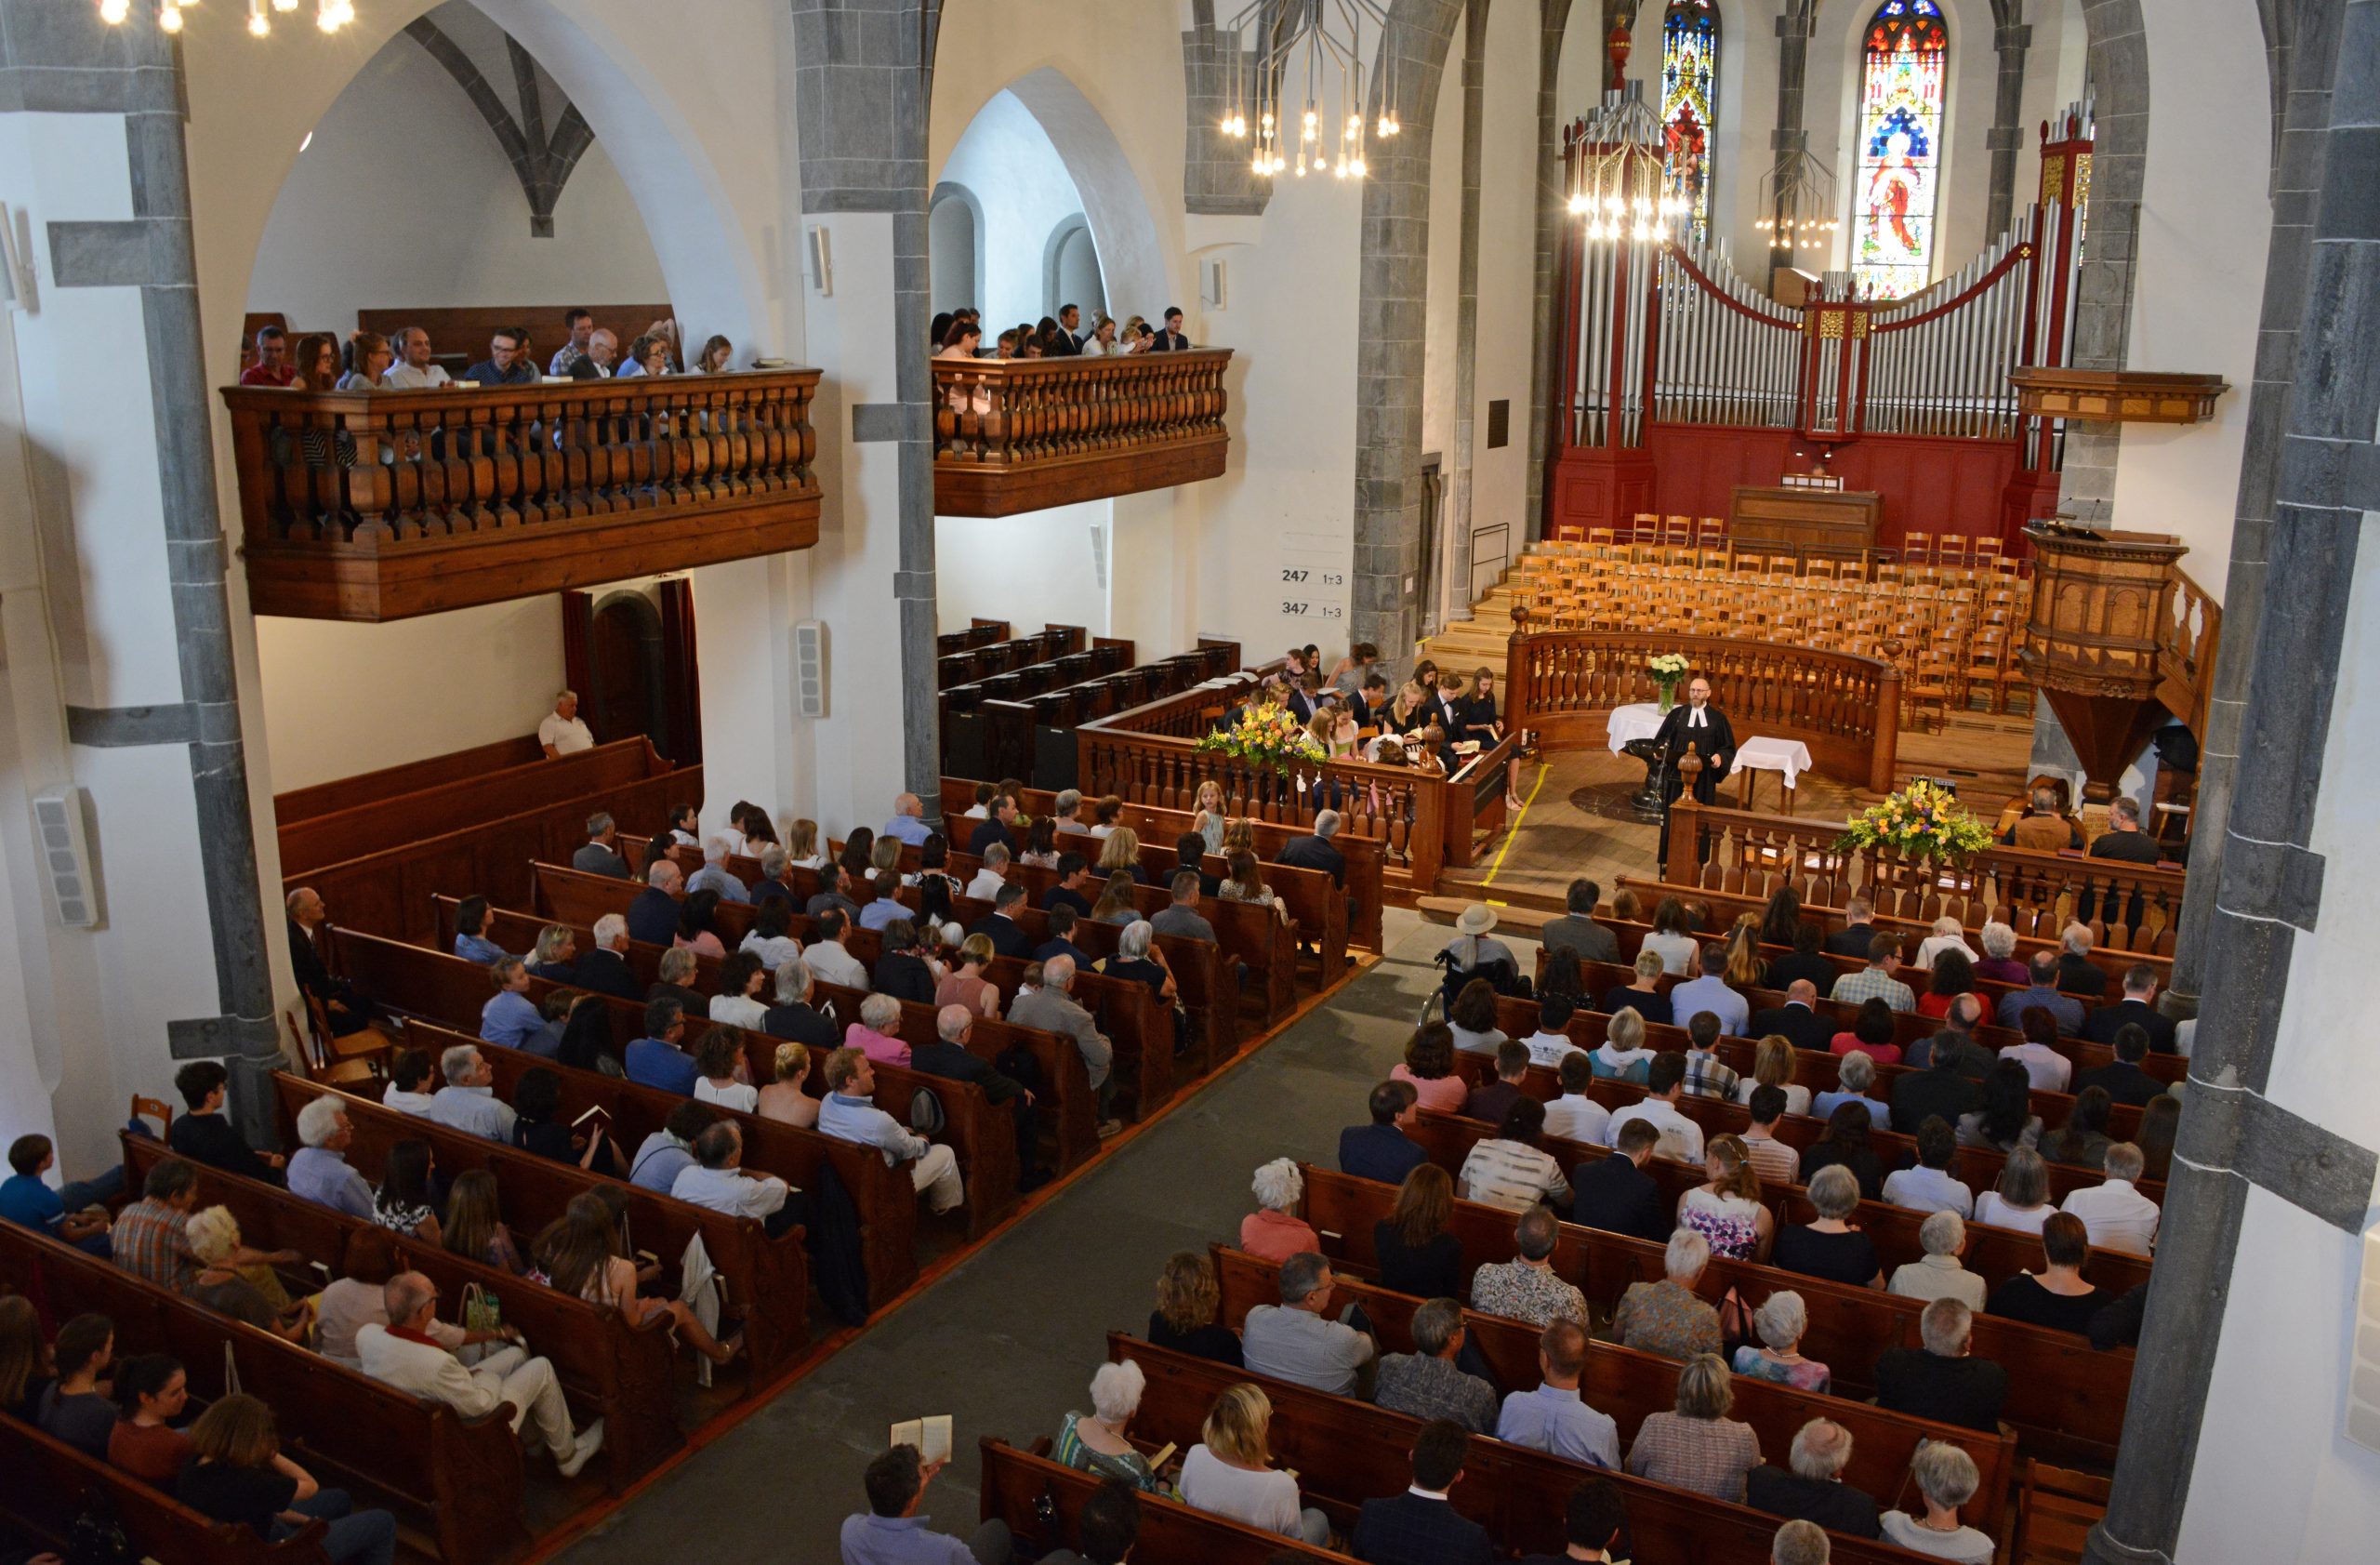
482	1311
1735	1325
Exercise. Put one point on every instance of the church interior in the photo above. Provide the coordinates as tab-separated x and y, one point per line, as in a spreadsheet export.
1237	567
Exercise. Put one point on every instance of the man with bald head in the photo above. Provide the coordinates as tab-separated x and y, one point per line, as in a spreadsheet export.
950	1056
405	1354
1797	1021
346	1009
1051	1009
595	364
908	822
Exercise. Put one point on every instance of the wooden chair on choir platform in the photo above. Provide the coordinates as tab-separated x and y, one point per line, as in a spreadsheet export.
1601	538
1677	531
1711	532
1916	547
1954	549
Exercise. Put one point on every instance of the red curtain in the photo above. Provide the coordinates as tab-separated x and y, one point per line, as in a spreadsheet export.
682	685
578	655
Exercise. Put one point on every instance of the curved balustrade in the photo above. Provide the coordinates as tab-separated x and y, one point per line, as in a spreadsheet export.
378	505
1562	685
1019	434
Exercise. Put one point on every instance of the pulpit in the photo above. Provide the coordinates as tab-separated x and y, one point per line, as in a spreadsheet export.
2100	602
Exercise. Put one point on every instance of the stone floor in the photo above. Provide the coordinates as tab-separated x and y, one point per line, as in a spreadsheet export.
1006	1343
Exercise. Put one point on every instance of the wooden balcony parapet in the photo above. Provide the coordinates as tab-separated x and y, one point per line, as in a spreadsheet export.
1020	435
382	505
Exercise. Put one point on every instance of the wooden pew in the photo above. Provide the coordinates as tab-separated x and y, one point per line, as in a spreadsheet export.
1346	1451
411	776
767	1280
1017	1485
2067	1398
1162	826
627	1378
465	1474
50	1482
1997	1254
1626	1384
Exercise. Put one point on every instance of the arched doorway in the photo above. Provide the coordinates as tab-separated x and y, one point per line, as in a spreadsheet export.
953	248
1073	272
625	657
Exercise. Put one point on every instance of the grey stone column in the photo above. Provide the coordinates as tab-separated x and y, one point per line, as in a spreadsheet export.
2103	288
2006	139
1391	323
1466	309
864	81
1216	177
2231	1136
1545	361
2304	106
57	56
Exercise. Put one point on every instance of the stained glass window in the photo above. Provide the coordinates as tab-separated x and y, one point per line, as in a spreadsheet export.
1900	149
1689	104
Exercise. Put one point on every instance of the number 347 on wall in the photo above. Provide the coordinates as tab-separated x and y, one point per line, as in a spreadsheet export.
1317	611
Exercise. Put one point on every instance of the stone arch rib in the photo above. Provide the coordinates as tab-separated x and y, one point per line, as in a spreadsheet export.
541	160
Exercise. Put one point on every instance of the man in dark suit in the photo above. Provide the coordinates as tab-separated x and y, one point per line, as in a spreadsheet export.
1797	1021
2123	840
1061	941
652	917
1171	339
1941	1088
1315	851
2136	1008
1704	727
1812	1489
1577	932
792	1019
1616	1194
999	925
1806	962
604	967
949	1057
1380	1150
1074	874
348	1009
1067	341
1190	852
1858	930
995	827
599	854
1591	1518
1939	1380
1418	1527
2077	974
1956	1044
2122	1077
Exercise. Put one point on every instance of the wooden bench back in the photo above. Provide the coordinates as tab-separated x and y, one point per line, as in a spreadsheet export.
1016	1485
411	776
50	1483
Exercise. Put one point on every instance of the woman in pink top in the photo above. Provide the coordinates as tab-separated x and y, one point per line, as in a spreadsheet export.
694	928
877	1035
1274	1232
1428	1069
967	986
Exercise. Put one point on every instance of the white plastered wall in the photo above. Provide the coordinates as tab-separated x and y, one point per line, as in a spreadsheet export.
1507	279
1039	568
1006	159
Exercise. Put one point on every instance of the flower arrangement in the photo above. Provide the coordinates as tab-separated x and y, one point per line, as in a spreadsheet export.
1923	821
1667	669
1269	736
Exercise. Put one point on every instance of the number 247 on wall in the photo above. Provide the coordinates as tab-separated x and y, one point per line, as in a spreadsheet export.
1329	578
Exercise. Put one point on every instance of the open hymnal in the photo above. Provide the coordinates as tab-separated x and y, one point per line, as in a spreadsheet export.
930	1435
600	1116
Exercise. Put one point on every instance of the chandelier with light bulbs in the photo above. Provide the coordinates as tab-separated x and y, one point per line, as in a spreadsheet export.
1619	184
1797	203
329	15
1303	45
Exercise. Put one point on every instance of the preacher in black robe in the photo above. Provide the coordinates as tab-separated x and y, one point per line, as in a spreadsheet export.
1712	737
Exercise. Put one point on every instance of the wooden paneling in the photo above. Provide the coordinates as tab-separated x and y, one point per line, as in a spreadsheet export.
1020	435
1930	485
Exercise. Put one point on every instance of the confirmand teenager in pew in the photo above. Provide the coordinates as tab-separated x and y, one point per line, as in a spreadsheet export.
1420	1526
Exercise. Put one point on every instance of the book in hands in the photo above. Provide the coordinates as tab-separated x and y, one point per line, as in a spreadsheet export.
930	1435
598	1113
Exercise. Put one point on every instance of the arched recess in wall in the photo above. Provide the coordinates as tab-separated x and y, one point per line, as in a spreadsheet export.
1123	230
1070	272
953	248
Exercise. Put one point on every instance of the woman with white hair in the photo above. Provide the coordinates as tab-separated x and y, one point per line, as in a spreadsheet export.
1780	1323
1097	1443
1947	1480
1854	1073
1273	1231
1949	935
227	1287
1938	1274
1999	964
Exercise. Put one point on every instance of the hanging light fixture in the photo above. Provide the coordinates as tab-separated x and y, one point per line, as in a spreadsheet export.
1797	207
1306	45
329	15
1620	186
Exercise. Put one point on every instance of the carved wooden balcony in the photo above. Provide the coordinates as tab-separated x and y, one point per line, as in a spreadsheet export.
1019	434
383	505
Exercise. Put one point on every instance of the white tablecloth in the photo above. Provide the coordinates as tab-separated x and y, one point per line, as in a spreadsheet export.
1789	756
1639	720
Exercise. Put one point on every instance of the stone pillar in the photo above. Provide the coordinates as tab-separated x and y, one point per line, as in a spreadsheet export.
1466	309
133	541
2304	103
1391	315
1545	361
1216	177
2006	139
2325	478
2103	287
864	79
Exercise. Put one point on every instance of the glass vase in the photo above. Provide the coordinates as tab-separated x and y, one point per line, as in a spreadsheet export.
1668	688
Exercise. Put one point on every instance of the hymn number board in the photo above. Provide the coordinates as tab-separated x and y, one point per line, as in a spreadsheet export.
1311	580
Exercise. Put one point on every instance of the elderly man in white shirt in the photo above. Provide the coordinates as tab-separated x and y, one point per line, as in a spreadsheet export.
406	1355
2117	1215
715	1179
467	1101
562	732
850	1113
992	876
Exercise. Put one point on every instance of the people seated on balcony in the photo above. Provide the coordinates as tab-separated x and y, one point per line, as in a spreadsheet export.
414	370
369	357
961	339
648	354
272	367
1171	339
508	360
1101	343
716	357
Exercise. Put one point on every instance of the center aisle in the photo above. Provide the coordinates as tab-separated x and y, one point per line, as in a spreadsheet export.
1007	1341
